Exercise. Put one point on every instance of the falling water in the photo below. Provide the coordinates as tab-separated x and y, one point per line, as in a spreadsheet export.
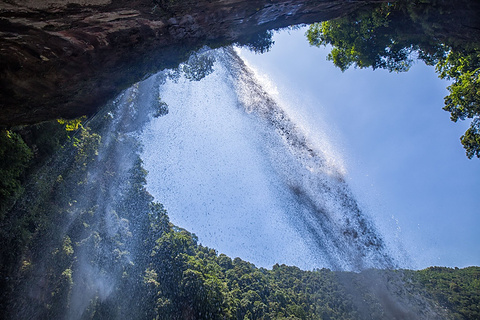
90	255
233	167
229	163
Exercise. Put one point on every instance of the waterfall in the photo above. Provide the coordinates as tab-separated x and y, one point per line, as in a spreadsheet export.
233	167
231	164
88	259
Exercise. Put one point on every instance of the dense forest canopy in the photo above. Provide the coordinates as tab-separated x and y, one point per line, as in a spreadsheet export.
391	36
83	239
162	272
77	250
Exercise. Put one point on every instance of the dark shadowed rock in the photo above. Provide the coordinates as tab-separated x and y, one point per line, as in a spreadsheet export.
66	59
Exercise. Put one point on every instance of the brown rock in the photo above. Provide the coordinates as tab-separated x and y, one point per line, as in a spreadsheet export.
66	59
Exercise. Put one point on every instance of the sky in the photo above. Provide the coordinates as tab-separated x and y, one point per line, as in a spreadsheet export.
402	153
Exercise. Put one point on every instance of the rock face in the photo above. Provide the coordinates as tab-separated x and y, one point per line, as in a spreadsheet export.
67	58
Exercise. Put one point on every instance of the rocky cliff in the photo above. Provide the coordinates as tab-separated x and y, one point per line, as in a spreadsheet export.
67	58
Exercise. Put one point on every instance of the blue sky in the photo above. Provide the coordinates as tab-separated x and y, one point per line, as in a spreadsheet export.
401	151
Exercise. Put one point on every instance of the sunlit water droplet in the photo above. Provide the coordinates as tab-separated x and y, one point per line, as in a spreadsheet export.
233	164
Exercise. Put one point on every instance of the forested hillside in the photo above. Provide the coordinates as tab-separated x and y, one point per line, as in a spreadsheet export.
125	259
81	238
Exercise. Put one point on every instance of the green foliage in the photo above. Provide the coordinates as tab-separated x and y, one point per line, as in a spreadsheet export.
471	139
15	157
364	41
32	221
76	235
456	289
464	99
259	42
198	66
189	281
161	108
19	146
87	144
72	125
170	276
391	35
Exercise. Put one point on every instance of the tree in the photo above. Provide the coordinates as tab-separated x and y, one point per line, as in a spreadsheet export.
258	42
16	156
464	99
363	42
391	35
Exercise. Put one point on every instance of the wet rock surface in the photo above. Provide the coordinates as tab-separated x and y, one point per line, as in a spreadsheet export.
67	59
